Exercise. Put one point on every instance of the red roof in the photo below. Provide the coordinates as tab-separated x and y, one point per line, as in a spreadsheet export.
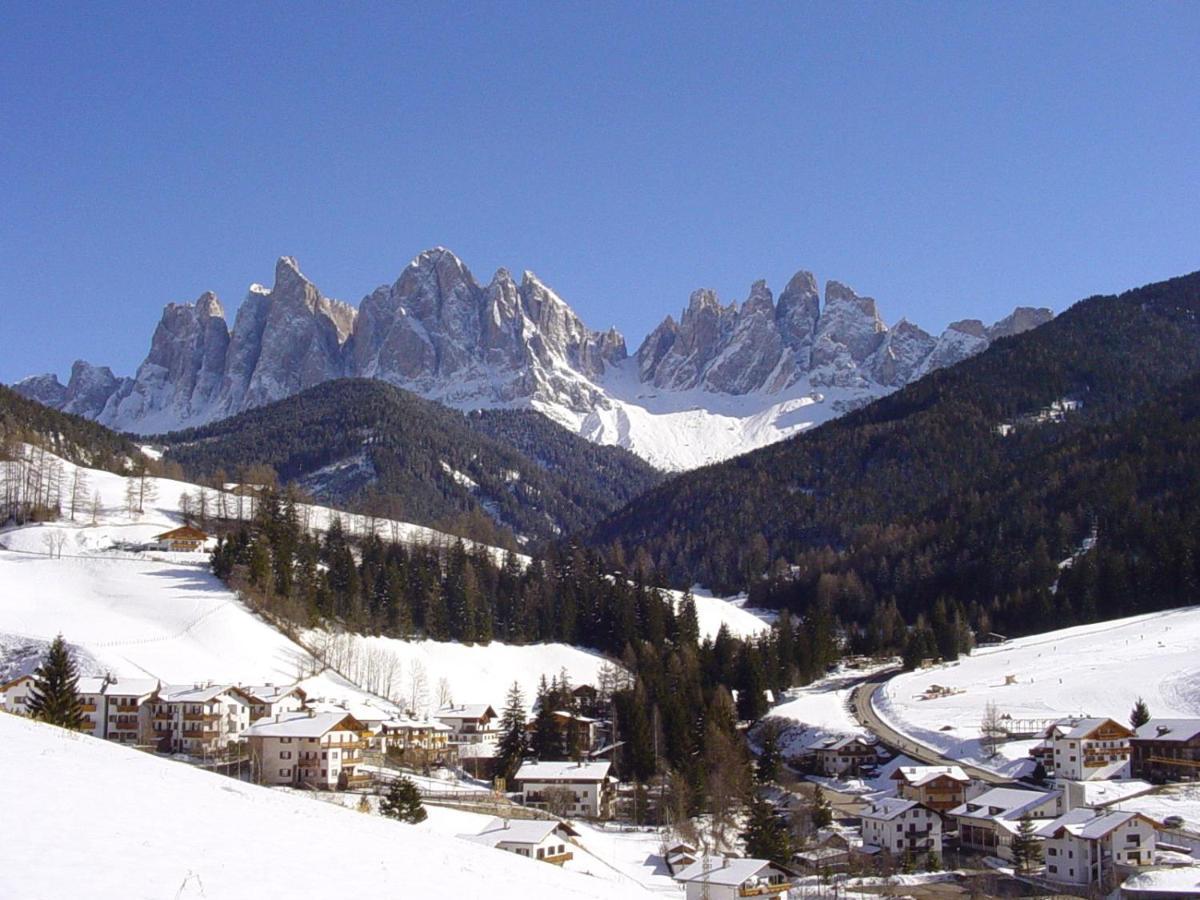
184	533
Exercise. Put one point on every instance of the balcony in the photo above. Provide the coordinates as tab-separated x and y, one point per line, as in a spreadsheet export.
558	859
202	717
124	707
762	890
87	707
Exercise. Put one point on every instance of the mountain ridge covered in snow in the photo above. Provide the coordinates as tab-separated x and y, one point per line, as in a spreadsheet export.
721	380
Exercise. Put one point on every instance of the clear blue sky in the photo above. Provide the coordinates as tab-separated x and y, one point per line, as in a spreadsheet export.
951	159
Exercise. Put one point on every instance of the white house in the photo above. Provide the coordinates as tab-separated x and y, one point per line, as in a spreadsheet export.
91	699
990	821
470	723
722	878
1085	749
1084	846
902	826
14	694
200	719
588	783
268	699
847	754
542	839
418	741
126	710
318	749
941	788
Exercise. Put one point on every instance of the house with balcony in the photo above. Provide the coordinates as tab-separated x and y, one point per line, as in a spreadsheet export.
990	821
940	788
470	723
843	755
268	699
900	827
731	878
545	840
414	742
582	789
308	749
125	709
1167	750
185	539
1092	847
1086	749
91	703
198	719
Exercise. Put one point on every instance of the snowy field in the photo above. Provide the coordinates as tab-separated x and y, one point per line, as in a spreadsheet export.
183	833
165	616
821	709
1097	670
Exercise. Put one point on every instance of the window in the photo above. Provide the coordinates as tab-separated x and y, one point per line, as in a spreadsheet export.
285	740
285	773
285	754
1054	869
541	854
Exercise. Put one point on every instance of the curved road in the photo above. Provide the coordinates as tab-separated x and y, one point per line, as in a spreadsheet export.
864	711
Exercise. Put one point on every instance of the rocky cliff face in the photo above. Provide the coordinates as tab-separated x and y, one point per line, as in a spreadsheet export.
438	332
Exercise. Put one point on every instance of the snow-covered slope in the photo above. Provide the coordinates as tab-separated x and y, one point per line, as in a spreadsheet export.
104	821
1098	670
721	381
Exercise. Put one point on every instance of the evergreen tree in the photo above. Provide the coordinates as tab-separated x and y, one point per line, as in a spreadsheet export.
769	756
403	802
1139	715
1026	850
822	813
547	741
55	694
767	835
511	748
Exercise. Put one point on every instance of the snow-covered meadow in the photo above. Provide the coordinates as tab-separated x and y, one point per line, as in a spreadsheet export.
1099	670
104	821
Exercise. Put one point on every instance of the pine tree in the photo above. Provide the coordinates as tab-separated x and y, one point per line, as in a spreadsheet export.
767	835
768	757
403	802
1026	850
511	748
1139	715
822	814
55	694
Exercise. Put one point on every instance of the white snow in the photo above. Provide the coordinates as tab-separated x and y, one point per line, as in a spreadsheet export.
118	823
1099	670
713	612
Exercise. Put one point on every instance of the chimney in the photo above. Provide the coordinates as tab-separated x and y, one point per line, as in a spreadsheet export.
1163	729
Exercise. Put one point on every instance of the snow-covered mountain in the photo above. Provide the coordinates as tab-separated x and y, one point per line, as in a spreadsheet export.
721	380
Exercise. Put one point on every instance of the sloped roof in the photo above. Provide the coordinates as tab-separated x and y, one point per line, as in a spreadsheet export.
271	693
1080	728
1011	803
888	808
563	771
1088	824
1175	730
466	711
183	533
518	831
920	775
301	724
722	870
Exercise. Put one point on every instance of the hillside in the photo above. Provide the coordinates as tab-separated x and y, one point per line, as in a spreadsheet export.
69	436
373	446
970	484
1056	673
182	832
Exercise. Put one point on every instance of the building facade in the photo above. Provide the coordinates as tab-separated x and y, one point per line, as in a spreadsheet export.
1167	750
571	788
902	827
308	748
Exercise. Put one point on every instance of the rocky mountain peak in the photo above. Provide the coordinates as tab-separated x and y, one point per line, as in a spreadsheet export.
760	301
208	305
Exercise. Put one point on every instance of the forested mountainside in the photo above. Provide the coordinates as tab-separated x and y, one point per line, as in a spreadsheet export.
72	437
374	447
971	484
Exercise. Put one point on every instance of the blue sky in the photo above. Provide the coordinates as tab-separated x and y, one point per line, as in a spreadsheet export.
951	160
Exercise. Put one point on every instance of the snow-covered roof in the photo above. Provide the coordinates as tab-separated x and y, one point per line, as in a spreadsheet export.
567	714
840	742
1079	728
131	687
518	831
1168	730
920	775
414	725
1002	803
1168	882
193	693
723	870
302	724
1087	823
271	693
466	711
1104	793
90	685
888	808
563	771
